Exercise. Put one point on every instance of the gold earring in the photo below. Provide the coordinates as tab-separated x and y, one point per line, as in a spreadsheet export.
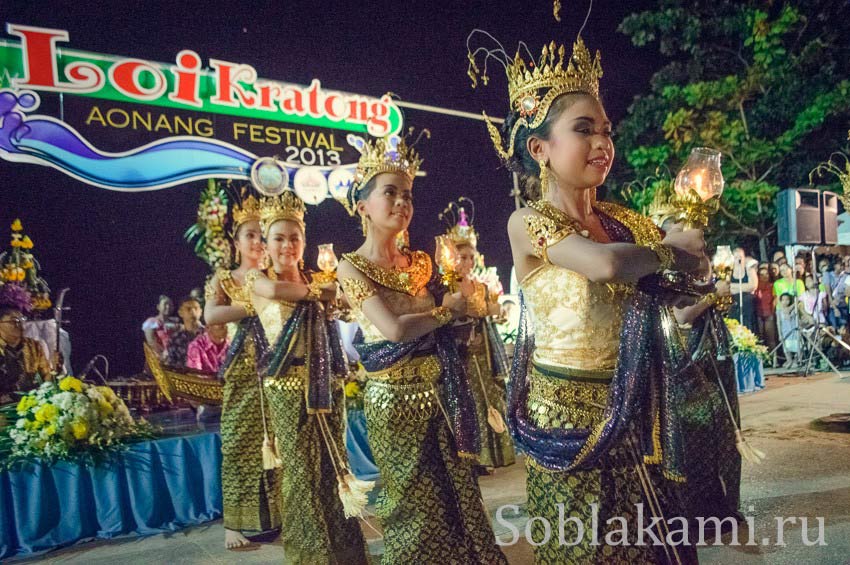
544	178
238	257
301	264
364	223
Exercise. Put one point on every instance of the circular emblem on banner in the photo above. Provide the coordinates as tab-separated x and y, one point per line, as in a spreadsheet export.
339	181
269	177
310	185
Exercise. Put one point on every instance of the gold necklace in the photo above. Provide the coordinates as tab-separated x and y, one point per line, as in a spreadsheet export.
409	280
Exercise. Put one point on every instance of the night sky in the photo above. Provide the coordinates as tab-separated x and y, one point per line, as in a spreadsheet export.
118	251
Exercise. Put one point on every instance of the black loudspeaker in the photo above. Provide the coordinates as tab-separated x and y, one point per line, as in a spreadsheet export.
829	208
798	221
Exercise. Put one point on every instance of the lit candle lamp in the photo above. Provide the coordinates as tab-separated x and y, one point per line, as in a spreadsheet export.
722	264
327	263
698	187
446	256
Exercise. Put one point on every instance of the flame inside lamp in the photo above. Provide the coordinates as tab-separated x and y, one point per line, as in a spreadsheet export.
701	174
327	260
446	253
723	261
723	256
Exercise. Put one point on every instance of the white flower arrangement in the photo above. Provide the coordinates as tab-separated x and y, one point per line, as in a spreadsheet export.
68	418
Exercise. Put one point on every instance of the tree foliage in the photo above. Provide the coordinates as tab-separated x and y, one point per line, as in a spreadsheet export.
766	83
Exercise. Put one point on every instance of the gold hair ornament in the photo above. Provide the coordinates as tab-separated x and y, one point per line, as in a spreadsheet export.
534	85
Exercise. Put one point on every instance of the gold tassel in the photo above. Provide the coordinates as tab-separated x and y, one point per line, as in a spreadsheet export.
271	459
747	451
354	494
494	419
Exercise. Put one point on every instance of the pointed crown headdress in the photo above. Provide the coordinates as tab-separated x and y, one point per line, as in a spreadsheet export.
286	206
245	208
534	85
459	217
391	154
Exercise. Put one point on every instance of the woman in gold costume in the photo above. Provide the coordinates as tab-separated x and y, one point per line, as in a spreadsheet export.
304	391
250	492
589	402
479	342
418	407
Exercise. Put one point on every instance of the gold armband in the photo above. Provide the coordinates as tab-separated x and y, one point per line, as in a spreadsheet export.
710	298
250	279
665	255
210	290
544	233
357	291
442	314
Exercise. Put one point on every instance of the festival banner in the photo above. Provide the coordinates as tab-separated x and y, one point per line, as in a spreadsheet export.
131	124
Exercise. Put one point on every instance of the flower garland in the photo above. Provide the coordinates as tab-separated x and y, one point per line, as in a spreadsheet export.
743	340
208	233
69	419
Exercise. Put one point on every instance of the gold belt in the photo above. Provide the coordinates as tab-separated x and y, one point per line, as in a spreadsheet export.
412	370
567	398
407	390
292	380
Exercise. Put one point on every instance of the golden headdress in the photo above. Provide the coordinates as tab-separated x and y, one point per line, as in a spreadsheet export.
286	206
459	222
245	209
389	154
533	86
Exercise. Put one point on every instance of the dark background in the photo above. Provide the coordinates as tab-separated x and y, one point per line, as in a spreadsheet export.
118	251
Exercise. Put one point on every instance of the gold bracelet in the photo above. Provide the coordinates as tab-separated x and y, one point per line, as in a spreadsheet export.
249	309
314	292
710	298
665	255
442	314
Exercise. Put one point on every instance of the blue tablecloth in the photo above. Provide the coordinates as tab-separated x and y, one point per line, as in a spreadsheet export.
357	444
749	370
155	486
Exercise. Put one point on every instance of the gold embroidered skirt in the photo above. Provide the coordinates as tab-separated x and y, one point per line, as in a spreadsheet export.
251	495
314	529
430	506
564	398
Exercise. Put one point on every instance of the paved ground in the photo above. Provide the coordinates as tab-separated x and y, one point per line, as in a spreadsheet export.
807	474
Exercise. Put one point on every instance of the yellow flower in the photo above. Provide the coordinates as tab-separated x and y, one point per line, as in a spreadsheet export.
46	413
15	243
50	430
107	393
352	389
31	425
71	383
26	403
27	242
16	225
104	408
79	429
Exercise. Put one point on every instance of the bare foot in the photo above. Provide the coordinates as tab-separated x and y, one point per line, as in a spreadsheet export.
235	540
